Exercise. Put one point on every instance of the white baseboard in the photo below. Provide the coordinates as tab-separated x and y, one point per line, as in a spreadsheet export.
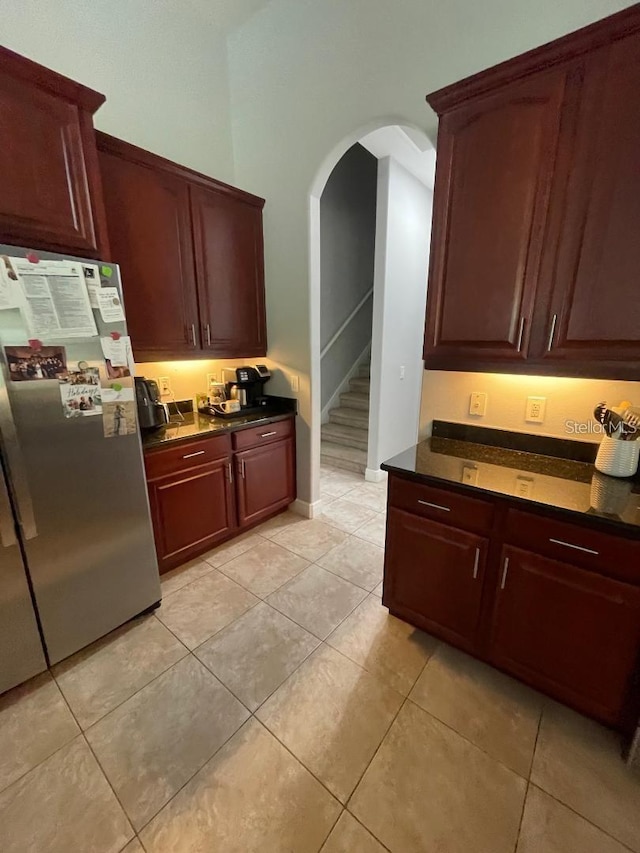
334	400
306	509
375	475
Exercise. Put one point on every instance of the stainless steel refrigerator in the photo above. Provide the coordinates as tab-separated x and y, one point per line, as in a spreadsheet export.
77	556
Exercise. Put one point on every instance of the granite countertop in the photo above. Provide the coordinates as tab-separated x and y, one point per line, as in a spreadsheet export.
195	425
571	486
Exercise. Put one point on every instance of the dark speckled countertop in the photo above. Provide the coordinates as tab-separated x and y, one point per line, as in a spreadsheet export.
195	425
570	486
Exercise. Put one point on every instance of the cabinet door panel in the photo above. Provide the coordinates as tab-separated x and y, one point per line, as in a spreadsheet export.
570	632
596	299
265	480
150	235
191	512
45	198
229	263
495	163
434	575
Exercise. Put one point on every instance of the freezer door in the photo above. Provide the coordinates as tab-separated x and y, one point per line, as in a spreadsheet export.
21	652
80	496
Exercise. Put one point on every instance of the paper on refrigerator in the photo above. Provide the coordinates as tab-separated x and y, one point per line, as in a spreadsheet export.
55	300
9	290
118	355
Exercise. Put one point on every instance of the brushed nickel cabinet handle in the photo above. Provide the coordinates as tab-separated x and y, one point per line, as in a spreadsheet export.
230	472
268	434
208	331
504	573
242	468
197	453
521	333
435	506
193	335
575	547
552	332
476	564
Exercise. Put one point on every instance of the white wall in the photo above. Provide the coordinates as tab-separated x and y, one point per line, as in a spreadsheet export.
445	396
161	65
403	231
306	74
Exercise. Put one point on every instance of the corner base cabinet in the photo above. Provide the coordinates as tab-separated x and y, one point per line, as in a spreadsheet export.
205	491
551	602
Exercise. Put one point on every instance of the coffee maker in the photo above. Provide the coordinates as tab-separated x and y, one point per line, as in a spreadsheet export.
246	384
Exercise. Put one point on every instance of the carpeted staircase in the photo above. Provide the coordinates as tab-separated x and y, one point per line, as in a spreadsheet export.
345	438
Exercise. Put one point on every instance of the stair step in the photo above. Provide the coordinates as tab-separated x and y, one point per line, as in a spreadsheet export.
349	417
347	436
360	384
355	400
364	370
348	458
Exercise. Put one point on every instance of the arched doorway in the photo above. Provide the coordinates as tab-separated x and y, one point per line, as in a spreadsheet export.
385	139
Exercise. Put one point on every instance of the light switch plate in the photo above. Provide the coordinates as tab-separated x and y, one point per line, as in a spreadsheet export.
294	381
524	487
478	404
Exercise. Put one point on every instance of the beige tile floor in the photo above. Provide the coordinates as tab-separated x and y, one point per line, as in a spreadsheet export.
272	704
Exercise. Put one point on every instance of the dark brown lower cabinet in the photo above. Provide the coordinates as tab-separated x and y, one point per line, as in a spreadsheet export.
437	575
192	511
204	491
554	603
571	631
265	480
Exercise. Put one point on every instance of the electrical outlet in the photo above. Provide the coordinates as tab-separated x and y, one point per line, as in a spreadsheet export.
294	381
524	487
164	383
211	378
535	411
478	404
469	475
402	371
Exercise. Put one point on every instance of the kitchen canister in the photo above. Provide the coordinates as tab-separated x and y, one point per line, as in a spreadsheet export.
618	458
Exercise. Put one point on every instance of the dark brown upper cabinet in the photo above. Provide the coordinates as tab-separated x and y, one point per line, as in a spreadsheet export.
534	254
51	196
497	155
191	254
229	267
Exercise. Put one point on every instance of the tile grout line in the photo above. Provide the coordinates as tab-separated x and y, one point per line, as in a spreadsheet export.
467	739
582	817
370	762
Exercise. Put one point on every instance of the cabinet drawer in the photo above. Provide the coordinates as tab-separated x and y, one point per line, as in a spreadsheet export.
254	437
440	505
603	552
171	460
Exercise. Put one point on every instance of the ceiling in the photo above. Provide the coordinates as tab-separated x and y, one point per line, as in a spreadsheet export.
410	148
226	15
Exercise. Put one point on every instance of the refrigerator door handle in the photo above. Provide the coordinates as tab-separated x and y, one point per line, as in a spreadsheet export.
7	528
17	469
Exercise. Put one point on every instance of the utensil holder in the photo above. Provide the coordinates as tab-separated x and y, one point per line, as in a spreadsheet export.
618	458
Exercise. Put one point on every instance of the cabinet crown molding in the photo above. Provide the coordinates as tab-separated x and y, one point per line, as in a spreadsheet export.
568	47
16	66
